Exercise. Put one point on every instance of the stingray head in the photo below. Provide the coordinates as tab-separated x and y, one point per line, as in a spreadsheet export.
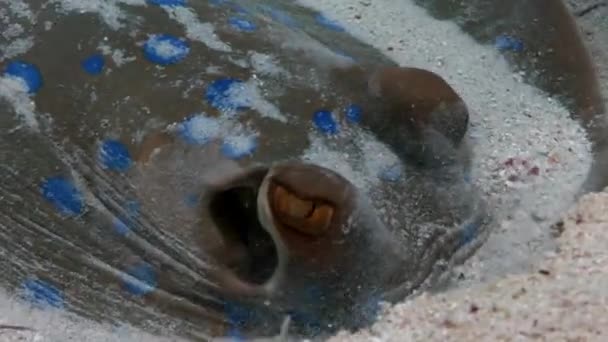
303	227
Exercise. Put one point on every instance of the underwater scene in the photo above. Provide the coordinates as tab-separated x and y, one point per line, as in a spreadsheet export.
241	170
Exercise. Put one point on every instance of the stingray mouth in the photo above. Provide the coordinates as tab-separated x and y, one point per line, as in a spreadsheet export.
234	212
261	214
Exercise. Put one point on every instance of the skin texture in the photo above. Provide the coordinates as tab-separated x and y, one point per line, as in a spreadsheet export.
415	111
205	265
322	229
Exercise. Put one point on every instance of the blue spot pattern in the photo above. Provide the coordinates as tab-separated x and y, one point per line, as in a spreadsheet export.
233	148
328	23
307	320
42	294
242	24
115	156
238	316
325	122
28	72
467	178
371	308
165	49
469	232
123	226
63	195
175	3
353	113
506	42
192	200
93	64
218	95
146	274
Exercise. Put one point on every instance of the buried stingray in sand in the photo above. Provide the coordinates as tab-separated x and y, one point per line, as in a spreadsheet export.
258	189
230	218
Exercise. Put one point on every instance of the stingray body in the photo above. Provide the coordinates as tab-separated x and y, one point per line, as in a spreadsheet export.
207	169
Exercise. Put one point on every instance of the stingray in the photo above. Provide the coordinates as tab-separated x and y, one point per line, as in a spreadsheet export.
182	192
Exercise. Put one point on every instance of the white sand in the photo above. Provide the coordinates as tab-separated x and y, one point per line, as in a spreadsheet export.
568	301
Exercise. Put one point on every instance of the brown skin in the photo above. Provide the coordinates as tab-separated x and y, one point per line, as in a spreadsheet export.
420	116
419	99
407	108
305	208
311	238
414	111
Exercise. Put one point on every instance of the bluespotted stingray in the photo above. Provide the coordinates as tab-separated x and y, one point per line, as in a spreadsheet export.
209	169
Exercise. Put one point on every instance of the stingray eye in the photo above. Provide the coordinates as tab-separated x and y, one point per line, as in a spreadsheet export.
306	216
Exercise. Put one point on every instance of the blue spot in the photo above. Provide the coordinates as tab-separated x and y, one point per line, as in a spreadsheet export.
310	321
42	294
506	42
122	226
328	23
114	155
165	49
28	72
353	113
467	178
236	335
93	64
167	2
325	122
145	273
237	147
242	24
219	94
469	232
63	195
132	208
238	316
192	200
371	308
313	293
391	173
199	129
